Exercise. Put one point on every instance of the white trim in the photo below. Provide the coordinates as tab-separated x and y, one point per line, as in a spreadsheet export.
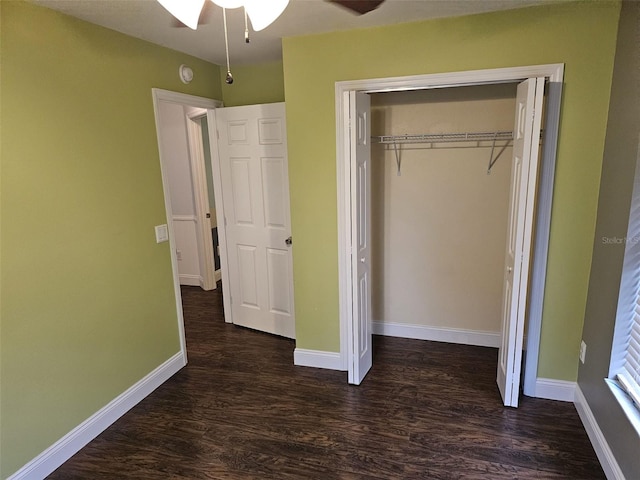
628	406
217	275
345	296
212	121
72	442
555	389
191	280
184	218
317	359
438	334
603	451
185	99
158	96
554	73
541	232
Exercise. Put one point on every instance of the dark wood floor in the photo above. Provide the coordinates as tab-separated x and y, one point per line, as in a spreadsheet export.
241	410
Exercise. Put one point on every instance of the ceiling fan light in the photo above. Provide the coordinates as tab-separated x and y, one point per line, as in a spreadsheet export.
264	12
229	3
187	11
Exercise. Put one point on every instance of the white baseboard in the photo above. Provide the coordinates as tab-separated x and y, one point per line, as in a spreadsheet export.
72	442
438	334
605	455
217	275
555	389
317	359
190	280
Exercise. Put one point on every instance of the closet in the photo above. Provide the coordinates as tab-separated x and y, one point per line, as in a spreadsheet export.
441	164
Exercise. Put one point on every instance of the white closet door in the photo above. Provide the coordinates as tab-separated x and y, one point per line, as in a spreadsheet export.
521	211
255	190
360	341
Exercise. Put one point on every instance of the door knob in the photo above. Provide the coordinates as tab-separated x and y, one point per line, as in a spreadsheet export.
361	259
289	241
509	269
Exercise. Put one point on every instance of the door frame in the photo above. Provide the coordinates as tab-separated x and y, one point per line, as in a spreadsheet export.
554	74
200	195
160	95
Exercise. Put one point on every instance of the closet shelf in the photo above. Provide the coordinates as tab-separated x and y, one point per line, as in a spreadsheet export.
432	138
443	137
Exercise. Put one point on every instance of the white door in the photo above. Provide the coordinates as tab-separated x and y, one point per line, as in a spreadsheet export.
255	193
526	140
360	334
198	150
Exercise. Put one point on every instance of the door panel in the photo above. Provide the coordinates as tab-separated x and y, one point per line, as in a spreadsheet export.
519	236
279	267
270	131
360	337
240	184
274	188
255	190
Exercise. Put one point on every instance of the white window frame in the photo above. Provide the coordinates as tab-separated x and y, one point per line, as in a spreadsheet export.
624	380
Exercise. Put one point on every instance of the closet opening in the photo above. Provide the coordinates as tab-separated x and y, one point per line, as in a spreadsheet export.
441	164
438	231
440	174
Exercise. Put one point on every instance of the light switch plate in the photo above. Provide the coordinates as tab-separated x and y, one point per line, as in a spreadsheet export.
162	233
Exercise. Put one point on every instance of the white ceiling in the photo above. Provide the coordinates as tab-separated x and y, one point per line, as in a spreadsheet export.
148	20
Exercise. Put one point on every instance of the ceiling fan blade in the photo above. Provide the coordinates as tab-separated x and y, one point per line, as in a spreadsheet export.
359	6
188	12
205	16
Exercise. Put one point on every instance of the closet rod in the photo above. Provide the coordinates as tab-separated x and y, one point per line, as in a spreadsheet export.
443	137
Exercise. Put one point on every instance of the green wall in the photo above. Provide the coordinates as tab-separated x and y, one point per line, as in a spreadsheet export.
253	84
88	306
581	35
616	187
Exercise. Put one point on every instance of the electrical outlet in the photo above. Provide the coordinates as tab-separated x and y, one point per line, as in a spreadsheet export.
583	351
179	254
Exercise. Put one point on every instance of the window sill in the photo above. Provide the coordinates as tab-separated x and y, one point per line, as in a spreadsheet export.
629	408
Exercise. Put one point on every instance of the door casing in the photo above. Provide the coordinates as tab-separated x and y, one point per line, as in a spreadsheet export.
554	74
160	95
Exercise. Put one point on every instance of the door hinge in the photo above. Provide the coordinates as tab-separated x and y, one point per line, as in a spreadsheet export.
225	221
217	134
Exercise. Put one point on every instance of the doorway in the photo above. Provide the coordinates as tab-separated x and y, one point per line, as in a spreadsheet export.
353	330
204	203
246	170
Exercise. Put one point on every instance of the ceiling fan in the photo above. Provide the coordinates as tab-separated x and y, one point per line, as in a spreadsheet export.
261	12
359	6
191	13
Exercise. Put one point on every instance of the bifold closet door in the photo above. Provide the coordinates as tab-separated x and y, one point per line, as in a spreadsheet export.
360	335
524	171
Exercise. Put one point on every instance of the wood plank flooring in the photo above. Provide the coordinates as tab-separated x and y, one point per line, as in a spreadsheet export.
241	410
